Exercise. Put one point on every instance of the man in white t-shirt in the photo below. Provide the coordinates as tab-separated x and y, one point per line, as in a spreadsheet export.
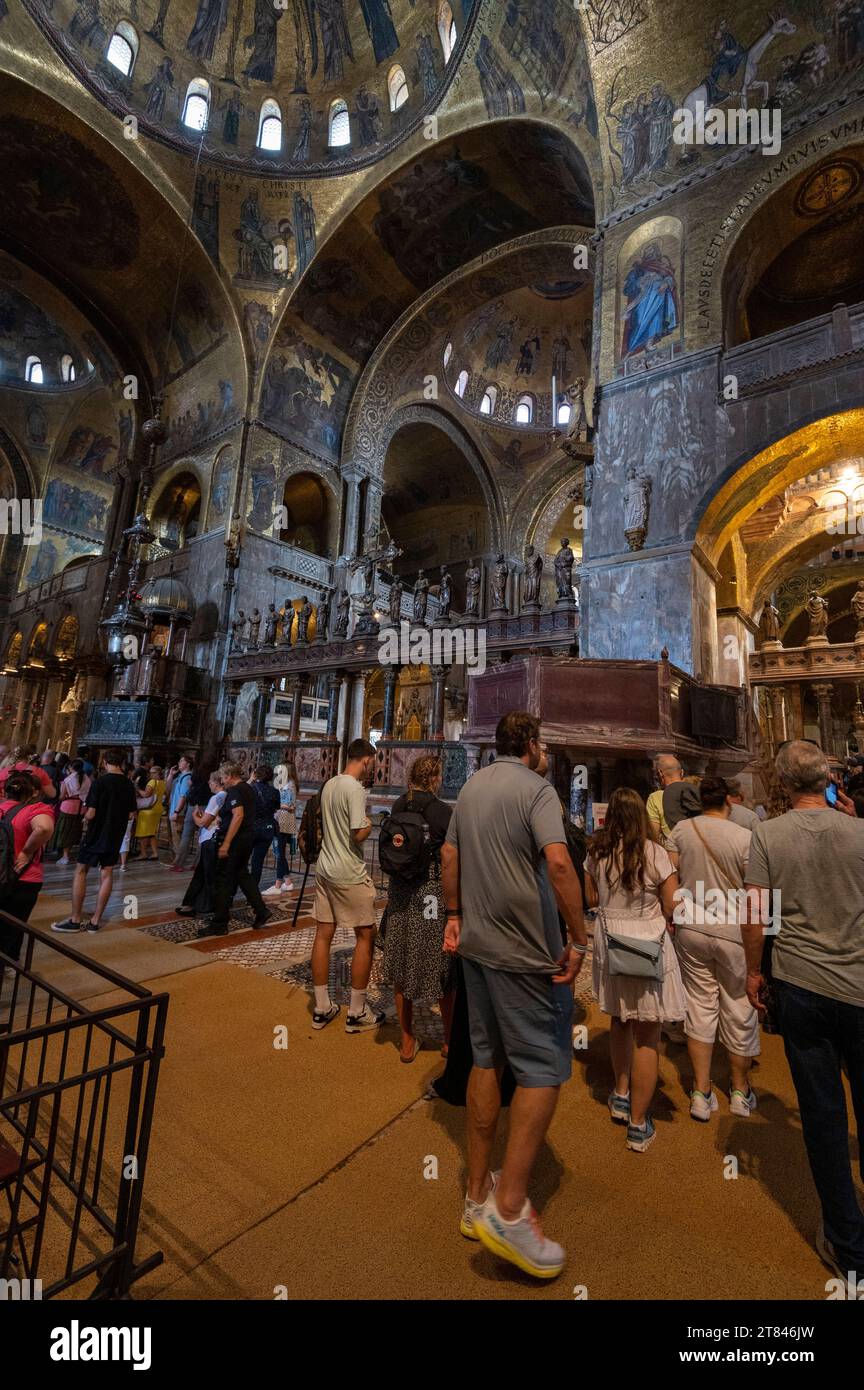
711	853
344	893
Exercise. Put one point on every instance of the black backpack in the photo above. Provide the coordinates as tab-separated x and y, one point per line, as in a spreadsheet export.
404	844
266	806
311	835
8	875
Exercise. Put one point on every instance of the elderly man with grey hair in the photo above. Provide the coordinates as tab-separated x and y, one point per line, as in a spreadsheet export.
813	858
674	800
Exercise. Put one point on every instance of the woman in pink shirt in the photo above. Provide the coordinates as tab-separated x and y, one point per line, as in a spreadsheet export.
73	798
32	825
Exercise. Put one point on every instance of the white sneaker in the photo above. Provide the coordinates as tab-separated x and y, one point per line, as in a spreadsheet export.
471	1209
272	892
360	1023
320	1018
702	1107
742	1105
522	1242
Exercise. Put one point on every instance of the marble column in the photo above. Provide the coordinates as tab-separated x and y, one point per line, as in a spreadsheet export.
795	710
351	527
335	682
776	695
436	708
20	721
265	691
358	707
391	680
53	696
297	685
823	690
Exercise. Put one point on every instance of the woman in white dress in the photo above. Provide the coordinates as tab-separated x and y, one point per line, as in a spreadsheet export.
631	880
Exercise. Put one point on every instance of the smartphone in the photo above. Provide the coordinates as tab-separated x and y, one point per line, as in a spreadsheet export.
831	794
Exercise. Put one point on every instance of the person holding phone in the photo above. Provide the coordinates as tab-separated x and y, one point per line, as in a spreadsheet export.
813	858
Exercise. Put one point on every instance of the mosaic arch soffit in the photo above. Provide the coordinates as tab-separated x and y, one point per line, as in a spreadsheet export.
119	176
803	451
289	300
416	329
811	540
431	415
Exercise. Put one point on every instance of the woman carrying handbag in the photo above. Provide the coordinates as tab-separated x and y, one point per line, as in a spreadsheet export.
637	980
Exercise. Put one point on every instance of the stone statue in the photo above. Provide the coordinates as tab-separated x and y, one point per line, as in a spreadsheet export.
499	585
769	623
304	618
287	616
472	590
396	591
238	631
421	597
323	624
564	562
858	609
254	628
637	503
577	425
368	567
817	612
531	578
270	623
72	703
445	594
343	612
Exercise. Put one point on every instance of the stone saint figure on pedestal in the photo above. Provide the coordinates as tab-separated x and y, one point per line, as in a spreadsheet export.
270	626
238	631
396	591
858	609
499	585
817	612
323	623
564	561
304	618
421	597
531	580
254	628
445	593
769	623
343	613
637	501
472	590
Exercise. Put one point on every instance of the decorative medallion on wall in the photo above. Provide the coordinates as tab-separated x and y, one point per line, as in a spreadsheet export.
830	184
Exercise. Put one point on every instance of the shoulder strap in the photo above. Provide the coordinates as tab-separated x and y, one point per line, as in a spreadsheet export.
712	856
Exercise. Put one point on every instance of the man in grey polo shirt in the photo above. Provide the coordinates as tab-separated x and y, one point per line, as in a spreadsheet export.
506	872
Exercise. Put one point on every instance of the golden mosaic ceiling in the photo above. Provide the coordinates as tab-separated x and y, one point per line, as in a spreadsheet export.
302	54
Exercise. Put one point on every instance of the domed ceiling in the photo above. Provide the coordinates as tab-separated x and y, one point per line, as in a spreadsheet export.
515	344
302	54
29	328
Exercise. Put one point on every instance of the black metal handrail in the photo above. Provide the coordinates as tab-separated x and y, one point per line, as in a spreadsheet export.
77	1096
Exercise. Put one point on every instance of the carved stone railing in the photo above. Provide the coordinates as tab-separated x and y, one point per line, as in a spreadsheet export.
796	350
779	665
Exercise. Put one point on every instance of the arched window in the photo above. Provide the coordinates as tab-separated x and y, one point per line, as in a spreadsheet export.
340	124
196	108
461	383
564	412
490	396
123	48
270	126
397	86
446	29
33	372
448	353
525	410
67	368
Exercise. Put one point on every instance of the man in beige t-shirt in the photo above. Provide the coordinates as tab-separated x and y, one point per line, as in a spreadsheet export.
344	893
712	856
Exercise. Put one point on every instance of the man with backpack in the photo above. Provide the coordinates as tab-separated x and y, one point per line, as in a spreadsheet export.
674	800
344	893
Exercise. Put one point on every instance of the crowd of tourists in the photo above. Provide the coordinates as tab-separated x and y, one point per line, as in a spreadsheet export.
708	917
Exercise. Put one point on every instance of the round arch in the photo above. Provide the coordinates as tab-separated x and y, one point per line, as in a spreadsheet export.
458	436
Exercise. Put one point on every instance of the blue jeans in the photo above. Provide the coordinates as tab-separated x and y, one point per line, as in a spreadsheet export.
819	1033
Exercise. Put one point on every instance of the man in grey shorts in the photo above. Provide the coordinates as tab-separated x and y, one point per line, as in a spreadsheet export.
505	864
